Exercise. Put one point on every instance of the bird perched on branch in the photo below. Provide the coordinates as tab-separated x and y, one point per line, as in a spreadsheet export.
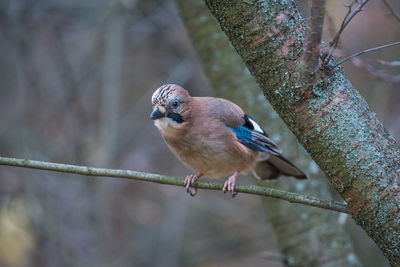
214	137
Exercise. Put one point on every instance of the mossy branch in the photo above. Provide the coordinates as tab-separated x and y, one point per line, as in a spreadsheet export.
161	179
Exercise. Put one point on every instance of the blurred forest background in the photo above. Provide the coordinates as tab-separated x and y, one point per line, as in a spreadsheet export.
76	78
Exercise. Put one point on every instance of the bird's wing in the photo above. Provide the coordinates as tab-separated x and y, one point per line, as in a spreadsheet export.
248	132
255	140
221	109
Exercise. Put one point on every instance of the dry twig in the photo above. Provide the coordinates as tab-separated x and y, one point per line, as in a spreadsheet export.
391	9
367	51
349	16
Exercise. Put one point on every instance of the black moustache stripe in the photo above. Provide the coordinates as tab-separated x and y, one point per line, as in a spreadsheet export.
175	116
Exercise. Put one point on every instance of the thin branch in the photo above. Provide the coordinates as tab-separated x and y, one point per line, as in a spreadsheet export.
335	40
391	9
349	16
314	35
367	51
346	20
161	179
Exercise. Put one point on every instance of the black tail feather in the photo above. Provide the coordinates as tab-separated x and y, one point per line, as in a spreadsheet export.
274	166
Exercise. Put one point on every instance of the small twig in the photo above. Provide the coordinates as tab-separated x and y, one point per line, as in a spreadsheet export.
312	45
155	178
367	51
335	40
349	16
391	9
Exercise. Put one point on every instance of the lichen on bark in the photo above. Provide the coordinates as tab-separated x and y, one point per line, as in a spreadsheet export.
329	117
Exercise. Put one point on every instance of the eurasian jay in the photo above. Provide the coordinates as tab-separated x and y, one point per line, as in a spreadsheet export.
214	137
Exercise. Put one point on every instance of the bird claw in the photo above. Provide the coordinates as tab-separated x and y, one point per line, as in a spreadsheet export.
193	192
189	181
229	185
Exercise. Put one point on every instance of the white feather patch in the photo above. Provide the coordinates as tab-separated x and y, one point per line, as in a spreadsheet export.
256	126
167	126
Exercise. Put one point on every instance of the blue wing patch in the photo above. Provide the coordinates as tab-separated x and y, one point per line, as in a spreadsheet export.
242	133
253	136
247	138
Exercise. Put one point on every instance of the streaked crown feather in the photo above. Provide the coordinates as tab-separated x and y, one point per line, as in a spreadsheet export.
166	92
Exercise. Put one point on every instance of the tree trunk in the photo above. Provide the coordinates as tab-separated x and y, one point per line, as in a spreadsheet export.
305	235
329	117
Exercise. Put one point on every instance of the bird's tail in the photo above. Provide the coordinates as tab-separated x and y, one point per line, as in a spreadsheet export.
272	166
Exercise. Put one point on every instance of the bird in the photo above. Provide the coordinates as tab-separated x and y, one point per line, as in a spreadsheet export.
215	138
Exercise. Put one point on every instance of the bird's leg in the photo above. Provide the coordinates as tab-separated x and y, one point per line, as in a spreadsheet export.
189	180
229	184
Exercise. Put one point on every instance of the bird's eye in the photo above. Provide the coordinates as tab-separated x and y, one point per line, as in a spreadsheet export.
175	104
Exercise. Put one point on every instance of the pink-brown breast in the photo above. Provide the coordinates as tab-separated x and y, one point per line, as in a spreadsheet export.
210	148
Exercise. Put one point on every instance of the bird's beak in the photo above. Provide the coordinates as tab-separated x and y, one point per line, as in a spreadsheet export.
156	114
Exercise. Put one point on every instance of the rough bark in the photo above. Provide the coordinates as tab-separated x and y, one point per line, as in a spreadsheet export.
329	117
305	236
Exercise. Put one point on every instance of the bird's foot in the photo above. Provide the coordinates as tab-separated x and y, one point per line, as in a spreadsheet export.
229	184
189	181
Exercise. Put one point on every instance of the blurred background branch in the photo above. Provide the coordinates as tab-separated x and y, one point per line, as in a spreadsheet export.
392	10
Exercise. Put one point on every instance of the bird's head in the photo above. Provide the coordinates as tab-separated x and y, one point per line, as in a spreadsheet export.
170	108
